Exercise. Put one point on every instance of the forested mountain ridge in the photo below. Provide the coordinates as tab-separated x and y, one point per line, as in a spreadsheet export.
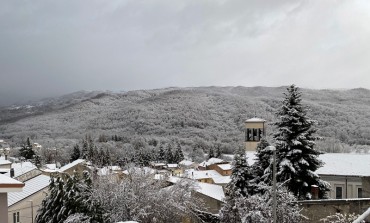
207	114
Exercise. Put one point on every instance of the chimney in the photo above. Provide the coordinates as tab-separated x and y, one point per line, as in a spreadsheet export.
11	172
315	192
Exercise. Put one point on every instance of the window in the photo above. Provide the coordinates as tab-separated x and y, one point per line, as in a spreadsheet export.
359	192
16	217
338	192
255	136
249	135
260	133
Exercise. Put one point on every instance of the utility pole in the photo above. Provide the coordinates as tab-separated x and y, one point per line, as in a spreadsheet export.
273	148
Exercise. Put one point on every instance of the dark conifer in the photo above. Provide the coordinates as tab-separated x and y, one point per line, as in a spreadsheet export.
297	159
76	154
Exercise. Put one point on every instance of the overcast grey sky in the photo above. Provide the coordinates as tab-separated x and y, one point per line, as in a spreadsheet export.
49	48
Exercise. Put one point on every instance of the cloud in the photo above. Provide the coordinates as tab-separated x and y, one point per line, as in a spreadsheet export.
49	48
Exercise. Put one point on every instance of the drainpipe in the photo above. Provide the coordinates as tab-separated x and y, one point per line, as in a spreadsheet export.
346	187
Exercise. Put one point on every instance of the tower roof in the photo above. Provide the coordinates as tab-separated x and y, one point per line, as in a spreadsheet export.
255	120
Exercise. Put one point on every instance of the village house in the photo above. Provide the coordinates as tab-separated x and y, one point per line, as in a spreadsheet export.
203	176
211	163
212	195
187	164
174	169
23	206
78	166
7	185
347	174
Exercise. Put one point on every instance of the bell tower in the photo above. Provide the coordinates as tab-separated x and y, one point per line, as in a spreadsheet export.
255	129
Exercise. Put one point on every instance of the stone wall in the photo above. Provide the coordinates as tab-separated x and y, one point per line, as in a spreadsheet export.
319	209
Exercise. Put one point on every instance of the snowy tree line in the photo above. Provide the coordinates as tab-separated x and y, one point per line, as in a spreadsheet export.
213	115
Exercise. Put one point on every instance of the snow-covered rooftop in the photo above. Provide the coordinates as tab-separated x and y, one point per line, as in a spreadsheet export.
172	165
251	156
143	170
203	174
211	161
70	165
22	168
255	120
347	164
211	190
3	161
8	184
173	179
51	166
221	179
225	166
157	164
186	162
108	170
31	186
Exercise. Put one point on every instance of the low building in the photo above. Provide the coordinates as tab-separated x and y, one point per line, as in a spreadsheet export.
76	166
175	169
157	166
203	176
211	163
346	174
23	171
223	169
7	185
222	180
23	206
5	163
212	195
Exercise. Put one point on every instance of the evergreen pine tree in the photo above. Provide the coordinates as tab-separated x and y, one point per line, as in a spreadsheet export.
241	175
37	160
297	159
210	153
107	157
239	186
218	151
91	148
161	154
96	159
85	147
141	158
76	153
179	156
52	204
26	151
169	154
262	167
67	197
28	142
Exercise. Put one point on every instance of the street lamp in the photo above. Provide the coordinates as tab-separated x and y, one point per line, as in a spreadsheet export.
273	148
